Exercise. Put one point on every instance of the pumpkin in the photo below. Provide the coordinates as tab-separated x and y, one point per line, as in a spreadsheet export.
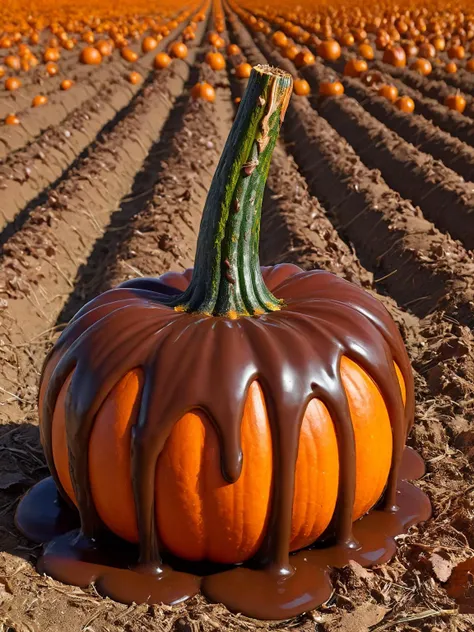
439	43
162	60
129	55
427	50
90	56
12	83
52	68
451	68
366	51
295	422
2	72
13	62
290	52
388	92
105	47
422	66
331	89
51	54
470	65
347	39
233	49
279	39
203	91
405	104
329	50
178	50
149	43
134	78
456	52
12	119
355	67
242	71
215	60
395	56
455	102
304	58
301	88
38	100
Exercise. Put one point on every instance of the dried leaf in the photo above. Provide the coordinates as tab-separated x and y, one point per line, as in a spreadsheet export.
360	619
442	567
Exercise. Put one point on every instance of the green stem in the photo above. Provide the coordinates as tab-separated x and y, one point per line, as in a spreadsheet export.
227	280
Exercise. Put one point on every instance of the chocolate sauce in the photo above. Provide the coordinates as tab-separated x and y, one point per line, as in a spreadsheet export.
294	351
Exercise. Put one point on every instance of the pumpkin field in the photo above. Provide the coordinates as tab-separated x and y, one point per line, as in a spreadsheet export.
113	118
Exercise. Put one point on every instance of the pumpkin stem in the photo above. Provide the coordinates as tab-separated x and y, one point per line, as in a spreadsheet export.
227	280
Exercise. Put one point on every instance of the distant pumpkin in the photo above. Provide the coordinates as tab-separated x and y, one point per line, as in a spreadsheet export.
203	91
90	56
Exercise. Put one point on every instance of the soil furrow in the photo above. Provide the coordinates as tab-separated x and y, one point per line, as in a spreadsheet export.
43	162
40	262
415	129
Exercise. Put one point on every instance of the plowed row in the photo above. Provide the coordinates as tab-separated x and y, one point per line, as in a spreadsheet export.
110	184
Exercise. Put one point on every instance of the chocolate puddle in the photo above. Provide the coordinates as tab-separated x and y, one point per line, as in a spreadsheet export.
234	323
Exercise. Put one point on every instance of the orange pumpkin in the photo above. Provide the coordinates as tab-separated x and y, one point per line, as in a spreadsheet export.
456	52
12	119
366	51
215	60
162	60
470	65
203	91
13	62
304	58
423	66
290	52
105	47
12	83
129	55
331	89
51	54
52	68
329	50
90	56
395	56
206	503
134	78
388	92
455	102
66	84
149	43
355	67
178	50
233	49
242	71
451	68
405	104
38	100
279	39
301	88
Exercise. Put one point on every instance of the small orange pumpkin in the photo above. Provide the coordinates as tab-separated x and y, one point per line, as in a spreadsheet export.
51	54
12	119
279	39
13	62
134	78
355	67
162	60
455	102
329	50
331	89
422	66
291	51
179	50
304	58
456	52
12	83
129	55
470	65
203	91
52	68
395	56
215	60
242	71
366	51
388	92
149	43
90	56
66	84
405	104
301	87
105	47
451	68
233	49
38	100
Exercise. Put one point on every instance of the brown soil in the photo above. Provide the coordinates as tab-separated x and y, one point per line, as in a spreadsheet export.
127	203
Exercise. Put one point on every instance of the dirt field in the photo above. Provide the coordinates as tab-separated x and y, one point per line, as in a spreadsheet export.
108	183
